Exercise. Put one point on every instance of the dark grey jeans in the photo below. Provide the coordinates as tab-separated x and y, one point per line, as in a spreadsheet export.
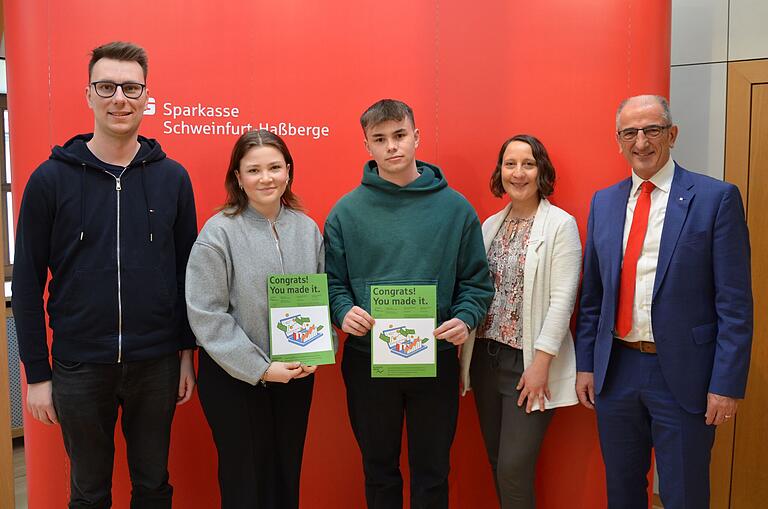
512	437
87	396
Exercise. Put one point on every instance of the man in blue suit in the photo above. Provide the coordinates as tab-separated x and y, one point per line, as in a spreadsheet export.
665	327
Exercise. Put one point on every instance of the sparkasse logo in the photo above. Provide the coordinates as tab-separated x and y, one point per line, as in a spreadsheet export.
150	109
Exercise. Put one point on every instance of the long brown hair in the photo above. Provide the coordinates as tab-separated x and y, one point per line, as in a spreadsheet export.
237	200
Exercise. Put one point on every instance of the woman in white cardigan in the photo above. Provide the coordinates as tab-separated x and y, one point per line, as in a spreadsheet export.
521	358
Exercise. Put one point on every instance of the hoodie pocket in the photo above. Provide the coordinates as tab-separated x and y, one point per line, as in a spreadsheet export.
91	305
148	302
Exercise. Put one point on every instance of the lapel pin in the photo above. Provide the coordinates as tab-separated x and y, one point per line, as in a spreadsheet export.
681	198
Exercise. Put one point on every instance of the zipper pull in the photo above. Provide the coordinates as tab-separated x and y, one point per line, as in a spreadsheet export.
117	184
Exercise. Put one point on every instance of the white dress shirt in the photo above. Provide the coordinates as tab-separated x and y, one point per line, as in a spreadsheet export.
649	254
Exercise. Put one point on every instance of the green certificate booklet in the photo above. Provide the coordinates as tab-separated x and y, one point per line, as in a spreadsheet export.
402	344
299	322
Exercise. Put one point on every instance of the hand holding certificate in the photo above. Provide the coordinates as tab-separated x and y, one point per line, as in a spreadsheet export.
402	341
357	321
453	331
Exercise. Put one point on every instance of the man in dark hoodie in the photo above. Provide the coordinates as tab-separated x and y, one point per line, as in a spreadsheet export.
404	225
113	220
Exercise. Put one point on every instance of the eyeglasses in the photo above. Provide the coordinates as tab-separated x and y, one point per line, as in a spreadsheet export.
107	89
651	132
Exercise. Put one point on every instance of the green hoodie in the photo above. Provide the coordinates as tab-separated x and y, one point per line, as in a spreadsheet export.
422	233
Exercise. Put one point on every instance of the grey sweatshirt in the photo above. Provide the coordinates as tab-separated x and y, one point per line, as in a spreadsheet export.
226	283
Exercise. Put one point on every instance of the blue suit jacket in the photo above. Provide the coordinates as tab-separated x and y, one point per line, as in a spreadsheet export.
701	313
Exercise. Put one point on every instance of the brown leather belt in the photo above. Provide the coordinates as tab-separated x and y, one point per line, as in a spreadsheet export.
642	346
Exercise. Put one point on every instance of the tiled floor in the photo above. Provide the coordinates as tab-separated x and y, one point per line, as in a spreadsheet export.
20	473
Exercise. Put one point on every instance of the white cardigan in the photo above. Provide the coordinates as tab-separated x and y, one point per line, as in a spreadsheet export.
550	283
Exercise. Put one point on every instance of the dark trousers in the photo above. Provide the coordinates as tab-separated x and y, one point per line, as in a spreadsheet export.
636	412
259	433
87	396
377	407
512	437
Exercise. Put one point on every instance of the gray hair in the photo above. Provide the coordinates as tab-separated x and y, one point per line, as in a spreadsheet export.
658	99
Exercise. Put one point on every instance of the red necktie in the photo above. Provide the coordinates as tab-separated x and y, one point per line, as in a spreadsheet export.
631	255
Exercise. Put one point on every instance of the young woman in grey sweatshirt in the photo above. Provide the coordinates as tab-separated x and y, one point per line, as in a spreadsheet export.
257	409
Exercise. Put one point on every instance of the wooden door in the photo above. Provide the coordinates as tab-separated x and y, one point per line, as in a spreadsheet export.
6	440
740	456
6	444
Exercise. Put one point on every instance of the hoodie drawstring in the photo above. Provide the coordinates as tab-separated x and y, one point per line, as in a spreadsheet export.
82	203
146	201
150	211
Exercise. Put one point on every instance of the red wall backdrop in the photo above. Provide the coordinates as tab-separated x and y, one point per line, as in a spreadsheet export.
475	75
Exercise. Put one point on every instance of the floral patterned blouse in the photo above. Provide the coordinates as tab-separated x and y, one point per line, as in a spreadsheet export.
506	260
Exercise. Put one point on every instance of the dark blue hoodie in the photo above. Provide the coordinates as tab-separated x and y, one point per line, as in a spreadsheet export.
116	248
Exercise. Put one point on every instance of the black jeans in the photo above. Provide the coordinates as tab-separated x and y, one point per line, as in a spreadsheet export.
87	396
377	407
259	433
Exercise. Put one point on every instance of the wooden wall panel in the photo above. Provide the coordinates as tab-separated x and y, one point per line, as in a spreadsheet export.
739	479
750	477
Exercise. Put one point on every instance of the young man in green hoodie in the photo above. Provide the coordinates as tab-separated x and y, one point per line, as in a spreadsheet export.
404	225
